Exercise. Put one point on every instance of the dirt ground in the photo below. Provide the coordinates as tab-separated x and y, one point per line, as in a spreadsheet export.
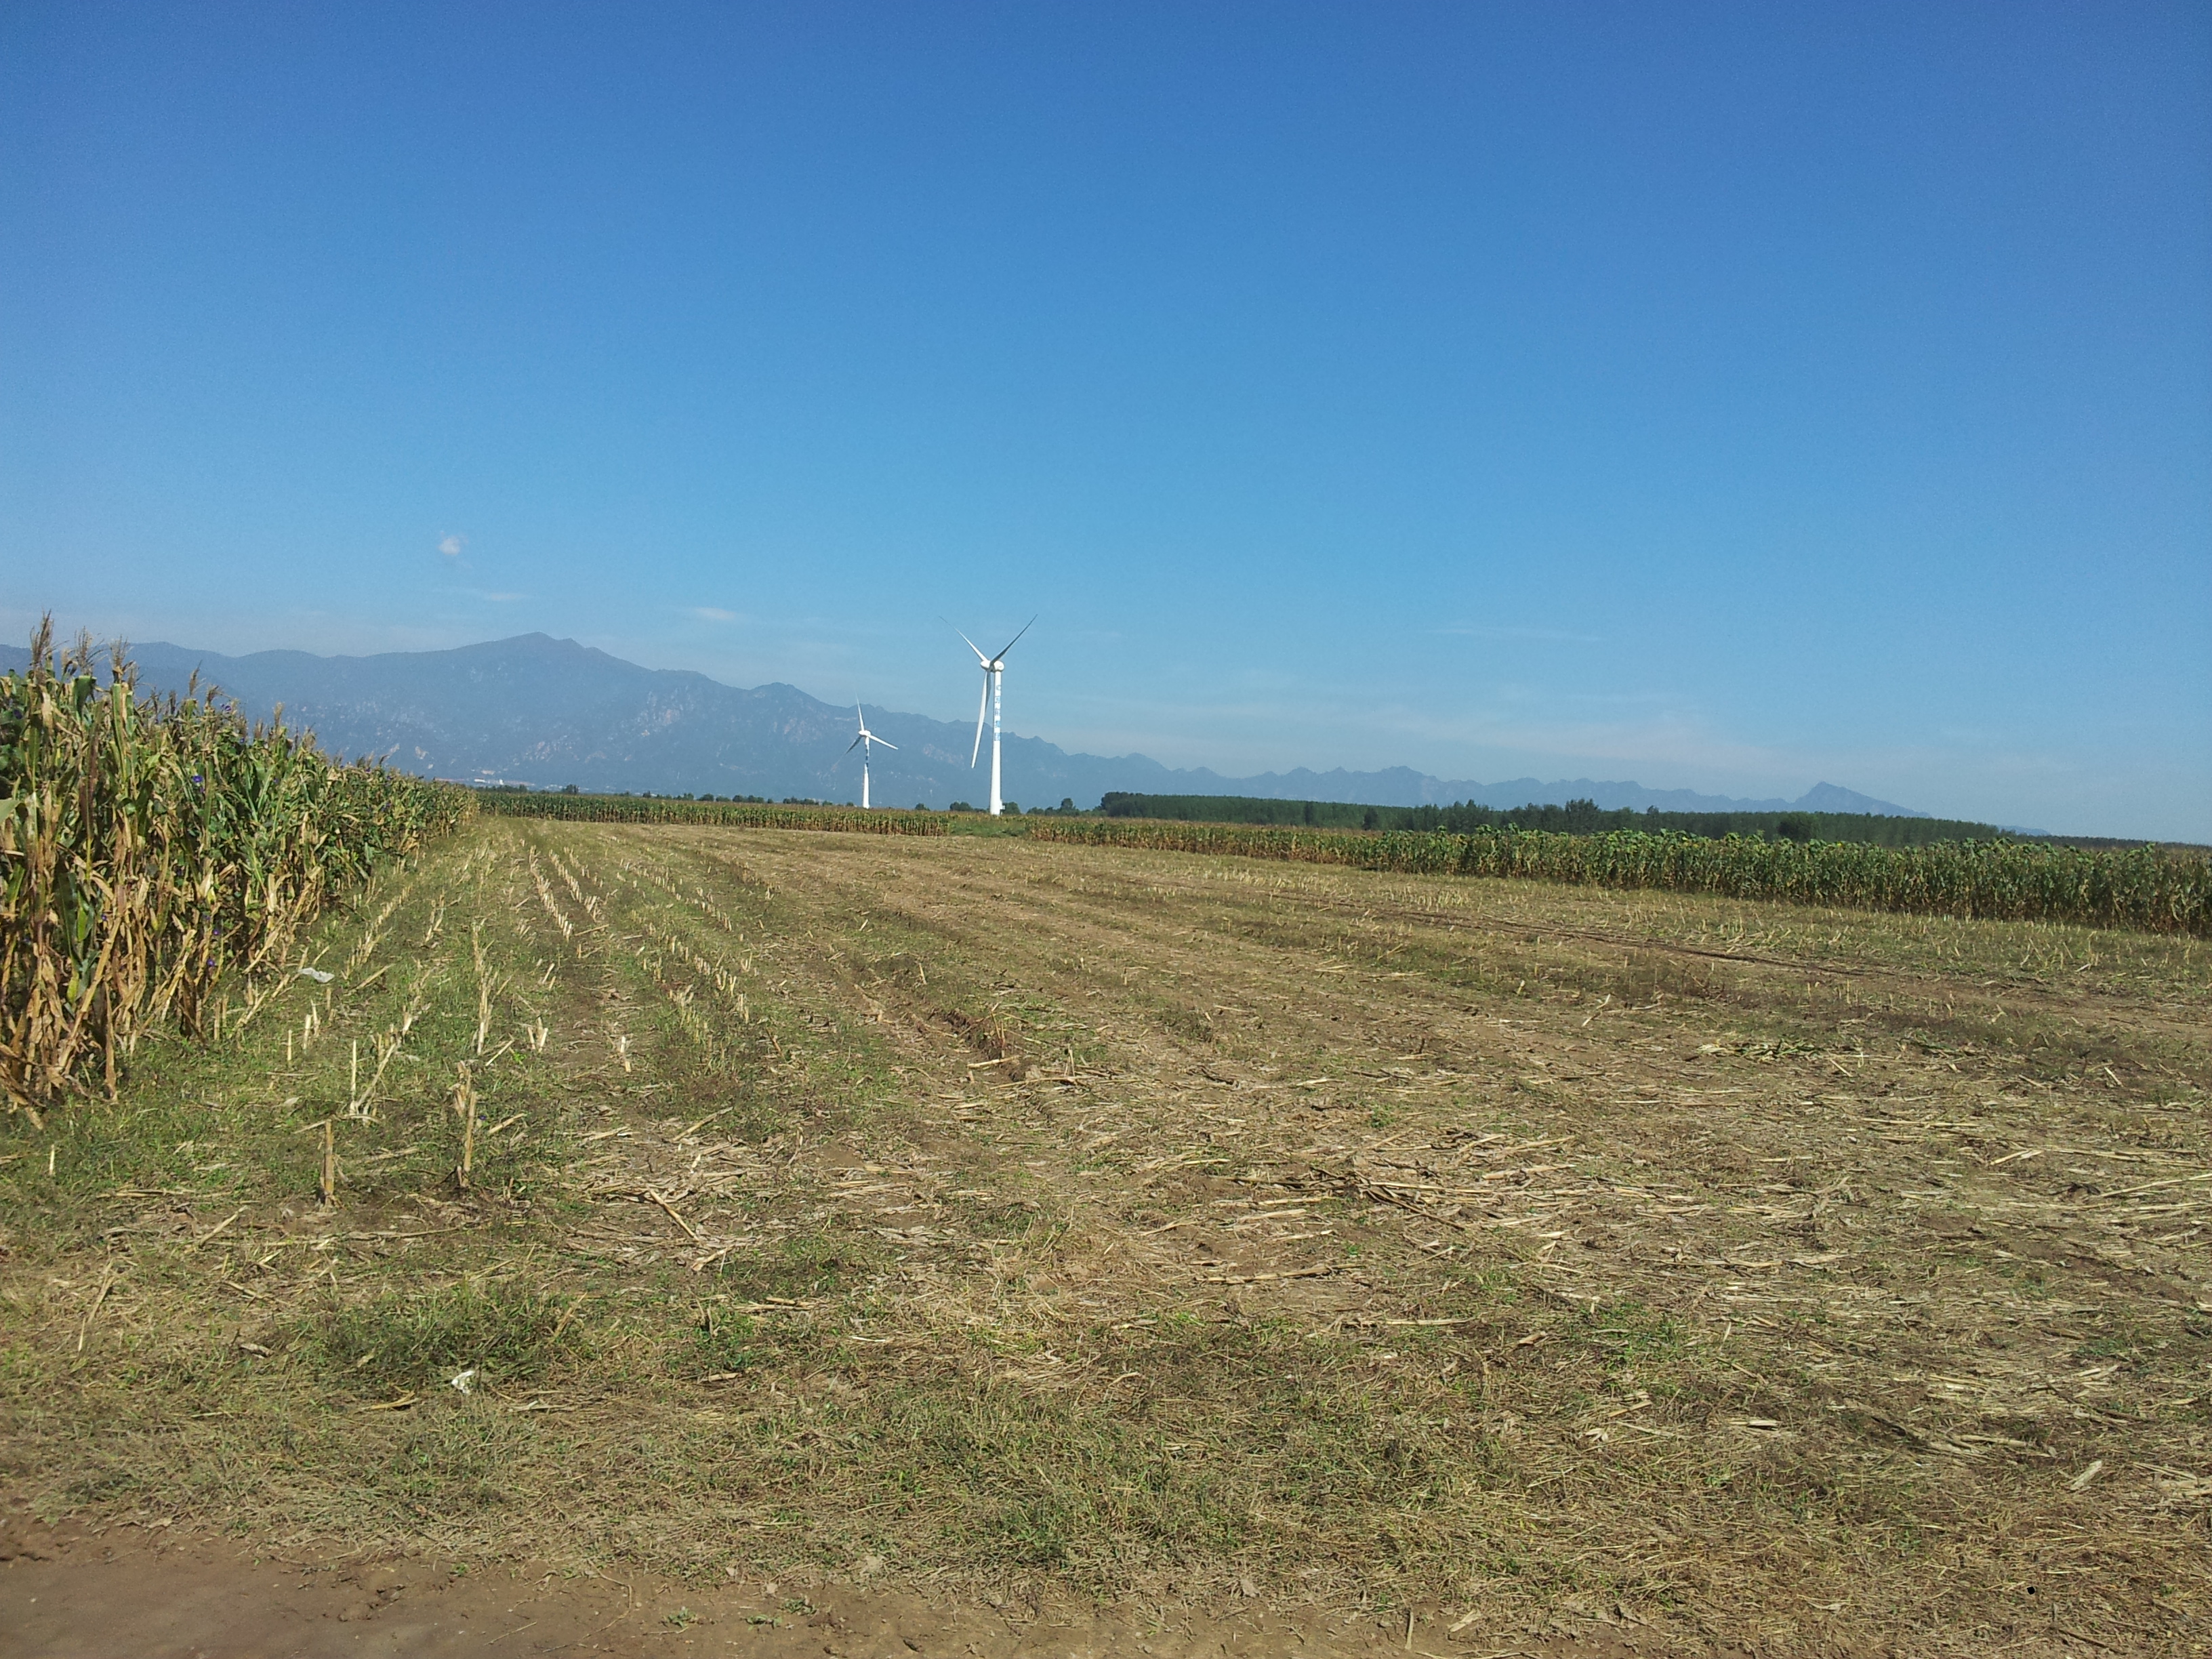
1005	1247
72	1596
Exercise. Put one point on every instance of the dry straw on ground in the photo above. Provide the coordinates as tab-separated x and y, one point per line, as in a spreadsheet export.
1052	1221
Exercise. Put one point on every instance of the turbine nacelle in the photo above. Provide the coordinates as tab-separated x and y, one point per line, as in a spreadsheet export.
866	736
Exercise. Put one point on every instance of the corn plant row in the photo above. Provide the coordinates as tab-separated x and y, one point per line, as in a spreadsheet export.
149	846
736	815
2147	887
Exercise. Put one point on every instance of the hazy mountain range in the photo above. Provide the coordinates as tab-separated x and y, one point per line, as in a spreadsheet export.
551	712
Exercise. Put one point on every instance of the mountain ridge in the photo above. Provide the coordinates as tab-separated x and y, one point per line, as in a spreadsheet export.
550	712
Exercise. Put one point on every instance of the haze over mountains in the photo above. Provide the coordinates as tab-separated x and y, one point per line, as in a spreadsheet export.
551	712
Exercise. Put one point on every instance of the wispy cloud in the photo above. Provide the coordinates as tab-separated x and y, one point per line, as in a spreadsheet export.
450	546
714	613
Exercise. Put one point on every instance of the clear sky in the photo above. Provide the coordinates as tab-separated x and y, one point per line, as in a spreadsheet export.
1728	396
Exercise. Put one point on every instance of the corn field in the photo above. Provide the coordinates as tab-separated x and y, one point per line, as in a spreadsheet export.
151	846
733	814
2144	888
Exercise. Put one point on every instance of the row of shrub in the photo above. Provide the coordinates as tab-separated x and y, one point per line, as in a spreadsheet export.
151	846
2147	887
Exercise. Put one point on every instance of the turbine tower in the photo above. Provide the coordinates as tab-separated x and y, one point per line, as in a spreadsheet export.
865	744
993	668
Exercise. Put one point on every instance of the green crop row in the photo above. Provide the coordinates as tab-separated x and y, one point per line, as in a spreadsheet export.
2145	888
733	814
151	846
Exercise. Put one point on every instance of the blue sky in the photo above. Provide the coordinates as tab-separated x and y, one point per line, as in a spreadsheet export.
1726	397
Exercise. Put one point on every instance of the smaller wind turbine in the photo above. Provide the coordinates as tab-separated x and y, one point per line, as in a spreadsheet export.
993	668
865	744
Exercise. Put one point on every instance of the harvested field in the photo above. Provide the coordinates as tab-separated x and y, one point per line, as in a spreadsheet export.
1056	1226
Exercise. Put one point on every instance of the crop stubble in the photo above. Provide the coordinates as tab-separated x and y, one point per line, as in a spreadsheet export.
1074	1220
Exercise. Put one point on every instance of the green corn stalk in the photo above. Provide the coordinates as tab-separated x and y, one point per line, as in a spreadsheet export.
151	846
2148	889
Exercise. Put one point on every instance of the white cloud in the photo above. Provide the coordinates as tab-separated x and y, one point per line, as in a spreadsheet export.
451	546
713	614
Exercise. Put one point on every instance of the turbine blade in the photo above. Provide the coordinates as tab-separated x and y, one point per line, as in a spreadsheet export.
982	708
970	644
1016	640
856	743
887	745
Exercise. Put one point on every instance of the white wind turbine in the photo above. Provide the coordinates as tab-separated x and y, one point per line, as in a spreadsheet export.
993	668
865	744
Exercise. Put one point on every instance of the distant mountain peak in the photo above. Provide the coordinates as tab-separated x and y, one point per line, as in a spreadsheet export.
534	708
1834	798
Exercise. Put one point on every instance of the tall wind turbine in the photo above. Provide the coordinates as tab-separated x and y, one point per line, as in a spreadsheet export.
993	668
865	744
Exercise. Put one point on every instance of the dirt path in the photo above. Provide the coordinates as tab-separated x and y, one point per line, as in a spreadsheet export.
78	1595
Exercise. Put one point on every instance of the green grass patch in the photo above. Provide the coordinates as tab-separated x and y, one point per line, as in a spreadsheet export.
806	1264
403	1340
